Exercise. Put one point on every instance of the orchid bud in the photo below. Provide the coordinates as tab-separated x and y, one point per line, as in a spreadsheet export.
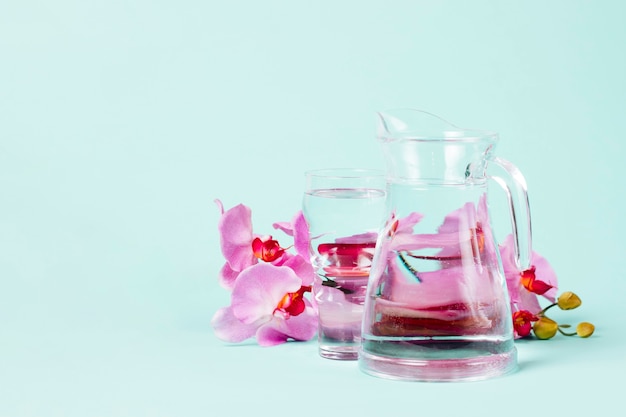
585	329
568	301
522	322
545	328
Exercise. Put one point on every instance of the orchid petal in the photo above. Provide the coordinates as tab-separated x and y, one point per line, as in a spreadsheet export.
302	268
228	328
299	229
270	336
544	271
301	327
227	276
220	205
235	228
405	224
532	284
285	227
404	241
301	235
260	288
519	295
526	300
464	215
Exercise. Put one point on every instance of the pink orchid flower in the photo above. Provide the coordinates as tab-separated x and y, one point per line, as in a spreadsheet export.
267	302
242	248
472	222
540	276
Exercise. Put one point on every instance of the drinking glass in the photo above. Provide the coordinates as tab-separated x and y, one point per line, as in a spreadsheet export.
344	209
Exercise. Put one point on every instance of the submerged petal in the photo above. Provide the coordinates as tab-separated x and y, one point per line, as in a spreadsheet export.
367	237
405	224
465	216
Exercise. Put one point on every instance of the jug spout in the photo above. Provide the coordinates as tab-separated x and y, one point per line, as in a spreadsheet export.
419	146
415	124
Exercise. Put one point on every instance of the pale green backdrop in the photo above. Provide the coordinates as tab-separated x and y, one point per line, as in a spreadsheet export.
122	121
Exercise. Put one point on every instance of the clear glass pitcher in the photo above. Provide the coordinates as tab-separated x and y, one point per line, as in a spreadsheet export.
437	308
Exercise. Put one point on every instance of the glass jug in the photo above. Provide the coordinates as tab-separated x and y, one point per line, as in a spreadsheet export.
437	308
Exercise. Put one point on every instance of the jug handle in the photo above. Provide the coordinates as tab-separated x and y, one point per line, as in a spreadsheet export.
514	184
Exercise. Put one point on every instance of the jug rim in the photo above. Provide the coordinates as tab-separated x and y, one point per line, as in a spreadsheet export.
452	133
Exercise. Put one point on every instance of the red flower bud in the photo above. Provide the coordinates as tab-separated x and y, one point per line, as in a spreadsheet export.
522	322
268	250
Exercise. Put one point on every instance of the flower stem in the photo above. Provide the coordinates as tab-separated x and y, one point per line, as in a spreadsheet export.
565	333
327	282
409	267
542	312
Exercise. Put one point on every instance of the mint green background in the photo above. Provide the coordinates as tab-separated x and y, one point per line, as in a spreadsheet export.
122	121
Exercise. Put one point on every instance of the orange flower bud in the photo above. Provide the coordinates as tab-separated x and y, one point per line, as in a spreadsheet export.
568	301
585	329
545	328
